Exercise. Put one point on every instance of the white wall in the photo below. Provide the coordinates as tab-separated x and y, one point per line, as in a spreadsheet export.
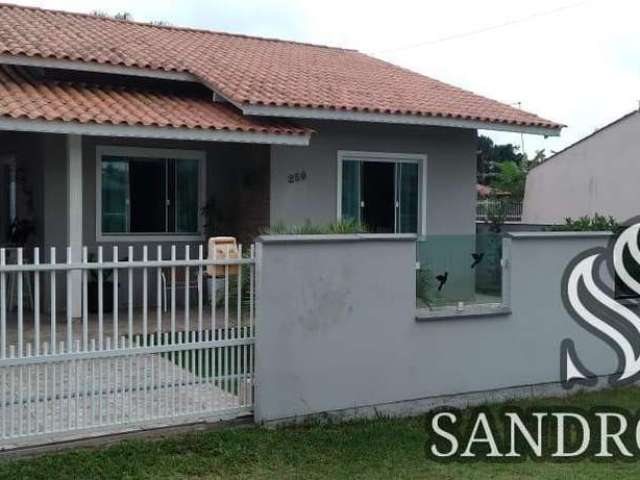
597	175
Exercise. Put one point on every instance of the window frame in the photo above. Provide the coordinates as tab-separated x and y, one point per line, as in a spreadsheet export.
154	153
389	157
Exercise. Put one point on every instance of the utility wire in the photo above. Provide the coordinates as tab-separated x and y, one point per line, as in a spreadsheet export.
470	33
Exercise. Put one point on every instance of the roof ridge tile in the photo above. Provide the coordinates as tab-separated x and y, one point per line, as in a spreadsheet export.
171	27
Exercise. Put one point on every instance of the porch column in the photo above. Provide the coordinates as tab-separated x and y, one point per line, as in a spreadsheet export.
74	216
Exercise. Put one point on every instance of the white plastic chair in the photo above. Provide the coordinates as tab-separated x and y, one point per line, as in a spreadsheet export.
181	283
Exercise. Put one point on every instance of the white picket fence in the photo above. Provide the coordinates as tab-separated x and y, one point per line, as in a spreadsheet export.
511	211
130	364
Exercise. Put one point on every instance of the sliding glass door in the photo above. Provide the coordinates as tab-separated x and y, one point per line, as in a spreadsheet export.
382	194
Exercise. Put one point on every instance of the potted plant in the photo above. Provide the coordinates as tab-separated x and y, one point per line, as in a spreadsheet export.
92	289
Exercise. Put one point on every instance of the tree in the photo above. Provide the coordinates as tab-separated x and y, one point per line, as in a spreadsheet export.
539	157
511	178
127	17
118	16
490	156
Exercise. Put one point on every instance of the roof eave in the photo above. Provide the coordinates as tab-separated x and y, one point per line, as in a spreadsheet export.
144	131
399	119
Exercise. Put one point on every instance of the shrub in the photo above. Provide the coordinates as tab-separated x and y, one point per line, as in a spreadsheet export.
597	223
245	287
342	227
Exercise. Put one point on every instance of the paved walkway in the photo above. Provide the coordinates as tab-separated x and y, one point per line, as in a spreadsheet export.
117	393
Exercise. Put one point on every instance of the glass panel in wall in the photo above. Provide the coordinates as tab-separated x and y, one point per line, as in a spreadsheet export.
454	269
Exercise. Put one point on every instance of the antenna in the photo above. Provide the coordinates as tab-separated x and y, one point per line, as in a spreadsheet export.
519	104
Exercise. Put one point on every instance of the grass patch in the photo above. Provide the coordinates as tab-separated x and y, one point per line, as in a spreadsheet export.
376	449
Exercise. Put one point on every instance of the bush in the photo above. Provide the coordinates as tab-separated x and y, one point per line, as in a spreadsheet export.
343	227
597	223
245	287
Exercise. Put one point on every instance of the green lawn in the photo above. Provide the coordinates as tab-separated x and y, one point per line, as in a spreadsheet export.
373	449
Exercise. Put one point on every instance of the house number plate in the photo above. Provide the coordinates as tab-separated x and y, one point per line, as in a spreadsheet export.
296	177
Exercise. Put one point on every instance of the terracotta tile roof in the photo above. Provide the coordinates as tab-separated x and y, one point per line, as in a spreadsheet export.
22	97
250	70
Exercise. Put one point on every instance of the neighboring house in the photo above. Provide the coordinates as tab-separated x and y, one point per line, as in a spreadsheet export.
123	131
594	175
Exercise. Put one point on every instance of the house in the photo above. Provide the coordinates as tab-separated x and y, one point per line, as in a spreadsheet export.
138	141
119	133
594	175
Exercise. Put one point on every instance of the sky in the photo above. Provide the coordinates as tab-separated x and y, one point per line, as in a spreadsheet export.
571	61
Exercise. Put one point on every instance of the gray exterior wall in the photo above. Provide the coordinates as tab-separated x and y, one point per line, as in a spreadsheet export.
337	327
451	172
596	175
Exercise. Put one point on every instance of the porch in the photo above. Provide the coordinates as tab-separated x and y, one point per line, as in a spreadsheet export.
89	159
111	186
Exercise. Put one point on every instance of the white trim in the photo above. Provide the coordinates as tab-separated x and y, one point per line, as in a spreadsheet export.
143	152
83	66
170	133
402	119
419	158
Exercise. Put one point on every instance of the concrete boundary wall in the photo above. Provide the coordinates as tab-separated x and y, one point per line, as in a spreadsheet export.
338	329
